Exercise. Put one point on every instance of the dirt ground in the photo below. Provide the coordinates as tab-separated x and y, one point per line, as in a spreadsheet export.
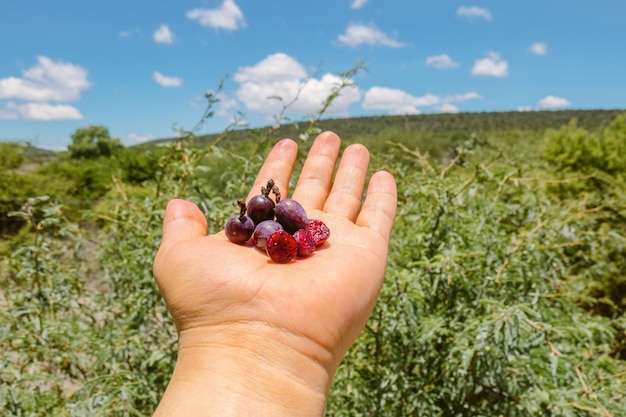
27	167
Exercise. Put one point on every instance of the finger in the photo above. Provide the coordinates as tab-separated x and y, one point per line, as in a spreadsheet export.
317	172
346	195
379	209
277	166
182	221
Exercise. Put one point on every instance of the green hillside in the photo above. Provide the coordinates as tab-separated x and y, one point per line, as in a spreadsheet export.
432	124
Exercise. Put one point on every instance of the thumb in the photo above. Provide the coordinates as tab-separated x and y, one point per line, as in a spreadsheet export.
183	220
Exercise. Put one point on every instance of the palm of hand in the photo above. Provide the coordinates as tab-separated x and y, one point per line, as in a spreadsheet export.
220	292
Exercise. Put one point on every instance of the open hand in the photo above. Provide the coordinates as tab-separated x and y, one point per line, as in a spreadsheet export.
231	302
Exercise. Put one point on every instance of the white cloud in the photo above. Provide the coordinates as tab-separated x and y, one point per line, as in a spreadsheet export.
8	114
132	138
40	111
276	67
525	108
395	101
124	34
48	80
228	16
492	66
448	108
357	4
229	109
441	61
553	102
462	97
473	12
358	34
165	81
55	148
280	75
163	35
538	48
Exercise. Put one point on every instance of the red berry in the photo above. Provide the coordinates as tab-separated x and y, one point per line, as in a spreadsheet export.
281	247
318	230
306	243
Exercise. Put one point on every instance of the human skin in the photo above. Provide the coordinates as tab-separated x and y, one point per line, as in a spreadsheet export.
257	338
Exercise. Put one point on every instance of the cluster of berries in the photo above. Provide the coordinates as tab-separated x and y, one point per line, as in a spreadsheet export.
282	229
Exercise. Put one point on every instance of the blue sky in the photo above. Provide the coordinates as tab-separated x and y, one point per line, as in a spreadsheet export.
142	67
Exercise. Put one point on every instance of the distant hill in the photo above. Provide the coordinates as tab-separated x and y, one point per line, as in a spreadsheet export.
438	124
33	152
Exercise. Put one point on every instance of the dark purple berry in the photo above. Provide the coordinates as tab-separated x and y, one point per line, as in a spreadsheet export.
281	247
291	215
306	243
318	230
239	228
261	207
281	227
263	230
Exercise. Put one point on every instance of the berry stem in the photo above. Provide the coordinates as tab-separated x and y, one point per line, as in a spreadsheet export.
276	192
242	208
266	190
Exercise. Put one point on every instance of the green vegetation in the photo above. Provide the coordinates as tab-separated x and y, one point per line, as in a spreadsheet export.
505	291
11	155
504	294
93	142
438	126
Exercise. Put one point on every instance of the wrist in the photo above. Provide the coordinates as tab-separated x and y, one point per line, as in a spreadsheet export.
242	375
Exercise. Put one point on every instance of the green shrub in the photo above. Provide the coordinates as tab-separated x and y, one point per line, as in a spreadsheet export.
576	149
613	139
11	155
93	142
44	316
591	174
85	181
138	166
478	315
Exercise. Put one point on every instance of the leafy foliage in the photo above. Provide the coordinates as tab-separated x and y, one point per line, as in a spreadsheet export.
138	167
93	142
576	149
504	292
11	155
479	315
592	168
